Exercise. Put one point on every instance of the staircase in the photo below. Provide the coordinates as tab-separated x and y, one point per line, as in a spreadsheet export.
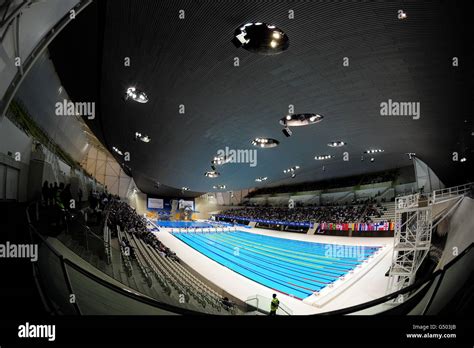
416	216
388	212
390	190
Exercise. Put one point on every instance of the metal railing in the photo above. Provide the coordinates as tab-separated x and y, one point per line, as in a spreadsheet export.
124	254
407	202
414	200
446	193
107	239
140	259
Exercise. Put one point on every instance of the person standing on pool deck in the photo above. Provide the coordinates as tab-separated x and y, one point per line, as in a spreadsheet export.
274	305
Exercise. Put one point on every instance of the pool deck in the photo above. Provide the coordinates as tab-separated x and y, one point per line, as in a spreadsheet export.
367	283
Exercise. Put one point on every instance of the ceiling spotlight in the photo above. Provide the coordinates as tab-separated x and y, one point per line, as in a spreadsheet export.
411	155
322	157
293	175
136	95
260	179
260	38
212	174
265	142
298	120
291	170
219	187
184	188
464	159
372	159
374	151
144	138
117	151
336	144
402	14
219	160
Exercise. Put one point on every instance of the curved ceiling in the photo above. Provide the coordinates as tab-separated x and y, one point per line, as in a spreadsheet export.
190	62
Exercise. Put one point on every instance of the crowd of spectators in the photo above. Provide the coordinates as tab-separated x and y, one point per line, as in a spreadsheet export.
373	210
99	200
328	214
359	201
124	216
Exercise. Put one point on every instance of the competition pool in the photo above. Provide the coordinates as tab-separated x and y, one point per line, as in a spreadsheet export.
292	267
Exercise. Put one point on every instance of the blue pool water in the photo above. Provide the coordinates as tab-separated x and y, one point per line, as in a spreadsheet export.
291	267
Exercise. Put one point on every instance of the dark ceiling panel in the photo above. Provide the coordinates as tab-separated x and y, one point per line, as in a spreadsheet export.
190	62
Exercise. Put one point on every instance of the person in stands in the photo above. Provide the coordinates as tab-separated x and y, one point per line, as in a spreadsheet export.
45	192
51	194
54	193
274	305
66	196
228	304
